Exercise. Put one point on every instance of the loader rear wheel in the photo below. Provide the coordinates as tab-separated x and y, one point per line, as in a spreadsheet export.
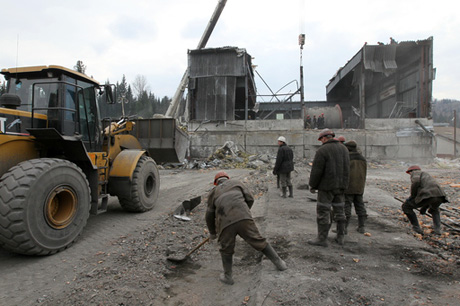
44	206
145	186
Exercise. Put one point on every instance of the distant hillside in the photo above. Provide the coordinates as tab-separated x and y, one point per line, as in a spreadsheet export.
443	111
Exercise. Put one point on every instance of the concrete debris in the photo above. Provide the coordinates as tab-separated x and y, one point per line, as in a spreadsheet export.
229	157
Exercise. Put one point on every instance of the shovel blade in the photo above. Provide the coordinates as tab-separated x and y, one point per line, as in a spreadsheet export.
177	260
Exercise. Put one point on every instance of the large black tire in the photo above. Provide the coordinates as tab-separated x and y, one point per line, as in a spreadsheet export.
145	187
44	206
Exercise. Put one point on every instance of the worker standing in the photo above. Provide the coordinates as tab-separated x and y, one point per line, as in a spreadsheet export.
329	177
284	165
321	121
308	122
426	194
341	139
355	191
228	215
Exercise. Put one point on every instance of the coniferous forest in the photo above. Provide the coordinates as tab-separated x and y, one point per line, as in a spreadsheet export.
144	104
140	104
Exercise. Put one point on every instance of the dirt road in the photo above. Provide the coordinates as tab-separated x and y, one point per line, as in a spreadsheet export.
121	258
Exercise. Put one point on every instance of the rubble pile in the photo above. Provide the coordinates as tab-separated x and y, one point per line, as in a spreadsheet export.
229	157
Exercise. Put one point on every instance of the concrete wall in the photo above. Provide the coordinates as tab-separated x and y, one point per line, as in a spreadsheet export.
383	139
445	147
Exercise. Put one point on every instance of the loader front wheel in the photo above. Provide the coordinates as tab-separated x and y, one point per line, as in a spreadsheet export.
44	206
145	186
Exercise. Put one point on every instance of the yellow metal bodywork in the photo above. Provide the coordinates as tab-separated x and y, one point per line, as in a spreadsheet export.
101	162
119	143
17	70
21	113
125	163
15	149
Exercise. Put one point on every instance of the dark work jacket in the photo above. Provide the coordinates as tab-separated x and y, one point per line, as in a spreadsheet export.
331	167
424	186
284	160
228	203
358	172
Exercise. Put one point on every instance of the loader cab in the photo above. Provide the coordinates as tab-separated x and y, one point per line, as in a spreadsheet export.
67	98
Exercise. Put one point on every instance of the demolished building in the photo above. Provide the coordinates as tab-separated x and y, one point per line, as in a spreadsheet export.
385	81
221	85
381	98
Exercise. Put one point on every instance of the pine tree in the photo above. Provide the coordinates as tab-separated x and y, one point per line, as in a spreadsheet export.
80	67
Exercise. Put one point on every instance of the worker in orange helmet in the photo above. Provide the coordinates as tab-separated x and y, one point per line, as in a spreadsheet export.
341	139
329	177
228	215
321	123
426	194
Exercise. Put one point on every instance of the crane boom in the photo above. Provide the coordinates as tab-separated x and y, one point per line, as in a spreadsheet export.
173	106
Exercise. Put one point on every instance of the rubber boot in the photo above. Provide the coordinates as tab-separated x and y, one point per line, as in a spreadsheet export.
345	230
436	222
227	262
340	232
321	240
291	194
283	195
414	221
361	221
274	258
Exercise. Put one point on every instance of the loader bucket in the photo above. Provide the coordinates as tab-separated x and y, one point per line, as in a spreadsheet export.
162	138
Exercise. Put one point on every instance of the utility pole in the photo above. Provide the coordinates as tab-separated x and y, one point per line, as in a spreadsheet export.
302	102
455	134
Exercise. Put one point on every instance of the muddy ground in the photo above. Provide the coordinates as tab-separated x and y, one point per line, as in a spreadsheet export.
120	258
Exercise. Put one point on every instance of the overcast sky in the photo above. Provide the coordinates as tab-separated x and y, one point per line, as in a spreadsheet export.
151	37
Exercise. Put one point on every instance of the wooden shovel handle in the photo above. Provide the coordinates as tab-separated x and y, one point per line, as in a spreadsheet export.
197	247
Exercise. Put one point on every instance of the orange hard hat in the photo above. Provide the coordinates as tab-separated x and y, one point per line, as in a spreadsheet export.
219	175
326	132
412	168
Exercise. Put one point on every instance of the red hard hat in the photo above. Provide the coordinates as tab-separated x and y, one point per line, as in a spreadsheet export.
219	175
326	132
412	168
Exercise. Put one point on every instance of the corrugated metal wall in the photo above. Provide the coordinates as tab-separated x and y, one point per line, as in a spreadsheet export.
215	98
217	84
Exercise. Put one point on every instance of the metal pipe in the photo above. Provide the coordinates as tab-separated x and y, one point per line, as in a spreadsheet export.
424	128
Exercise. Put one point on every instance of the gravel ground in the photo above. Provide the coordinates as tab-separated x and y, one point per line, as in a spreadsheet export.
389	265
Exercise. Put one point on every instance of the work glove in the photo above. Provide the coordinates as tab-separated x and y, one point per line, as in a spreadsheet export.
313	190
274	172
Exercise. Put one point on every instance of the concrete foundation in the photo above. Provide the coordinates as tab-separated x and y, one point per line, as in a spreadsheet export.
383	139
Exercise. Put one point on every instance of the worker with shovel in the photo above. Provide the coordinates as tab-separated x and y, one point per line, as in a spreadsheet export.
425	193
228	215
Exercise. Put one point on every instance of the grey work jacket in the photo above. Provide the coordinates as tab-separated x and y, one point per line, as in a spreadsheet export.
228	203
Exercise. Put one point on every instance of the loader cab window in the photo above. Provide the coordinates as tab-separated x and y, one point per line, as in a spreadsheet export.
34	93
88	118
68	109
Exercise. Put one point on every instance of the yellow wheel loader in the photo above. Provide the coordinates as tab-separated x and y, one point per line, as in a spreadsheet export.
58	163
